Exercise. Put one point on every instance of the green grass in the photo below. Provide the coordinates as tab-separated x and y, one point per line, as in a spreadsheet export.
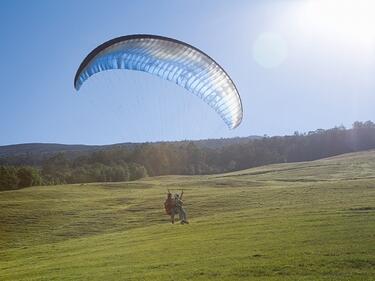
299	221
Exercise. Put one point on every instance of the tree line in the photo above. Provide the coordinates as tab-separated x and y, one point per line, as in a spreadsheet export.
188	158
17	177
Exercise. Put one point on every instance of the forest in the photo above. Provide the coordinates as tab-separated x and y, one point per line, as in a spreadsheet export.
126	163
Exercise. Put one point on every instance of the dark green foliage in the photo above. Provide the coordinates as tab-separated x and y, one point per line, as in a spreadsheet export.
28	176
8	178
18	177
137	171
120	163
99	166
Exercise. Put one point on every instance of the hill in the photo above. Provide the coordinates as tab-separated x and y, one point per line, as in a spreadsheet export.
60	164
48	149
298	221
37	154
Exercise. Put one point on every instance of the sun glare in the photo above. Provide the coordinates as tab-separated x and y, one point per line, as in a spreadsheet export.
270	50
347	22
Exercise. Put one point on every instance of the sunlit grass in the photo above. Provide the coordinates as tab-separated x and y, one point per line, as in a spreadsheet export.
299	221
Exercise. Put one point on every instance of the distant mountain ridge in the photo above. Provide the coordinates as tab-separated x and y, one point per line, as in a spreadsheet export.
47	149
31	148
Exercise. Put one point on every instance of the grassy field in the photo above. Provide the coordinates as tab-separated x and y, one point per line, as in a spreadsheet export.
300	221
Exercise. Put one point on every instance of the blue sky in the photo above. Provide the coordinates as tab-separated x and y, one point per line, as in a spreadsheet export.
298	65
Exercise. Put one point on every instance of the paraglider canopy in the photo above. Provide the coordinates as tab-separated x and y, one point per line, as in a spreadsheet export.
172	60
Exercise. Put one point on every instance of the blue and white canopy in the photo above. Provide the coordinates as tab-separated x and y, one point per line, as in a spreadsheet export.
172	60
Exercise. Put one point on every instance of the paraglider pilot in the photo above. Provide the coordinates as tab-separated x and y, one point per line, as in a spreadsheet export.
180	210
170	206
173	206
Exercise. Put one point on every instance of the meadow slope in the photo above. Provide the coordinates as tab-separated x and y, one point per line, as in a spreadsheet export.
298	221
